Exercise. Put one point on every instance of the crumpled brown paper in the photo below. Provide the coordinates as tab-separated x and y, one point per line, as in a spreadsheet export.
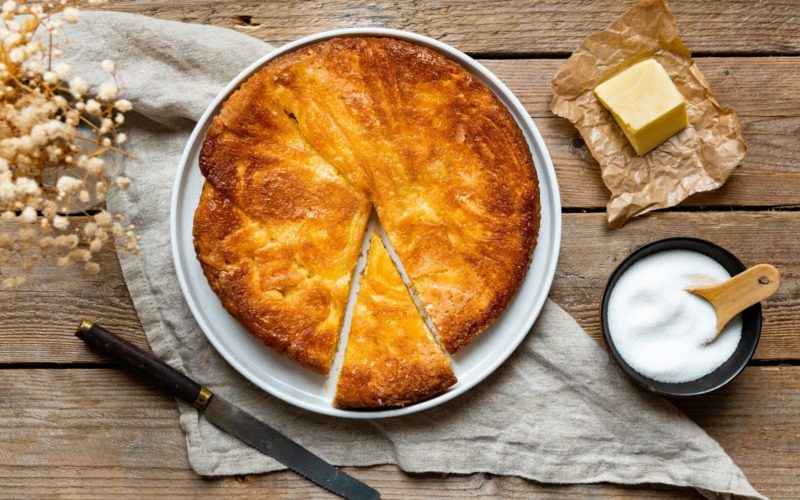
700	158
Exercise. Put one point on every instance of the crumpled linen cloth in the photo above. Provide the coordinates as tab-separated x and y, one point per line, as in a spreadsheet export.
558	411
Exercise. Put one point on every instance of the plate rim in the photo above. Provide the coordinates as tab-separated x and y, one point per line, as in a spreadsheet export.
547	171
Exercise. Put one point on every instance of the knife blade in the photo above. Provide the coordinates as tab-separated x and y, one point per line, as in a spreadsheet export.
270	442
226	415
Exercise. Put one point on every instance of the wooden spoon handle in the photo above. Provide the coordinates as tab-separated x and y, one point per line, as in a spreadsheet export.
733	296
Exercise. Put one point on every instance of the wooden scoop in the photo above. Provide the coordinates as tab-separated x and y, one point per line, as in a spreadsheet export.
733	296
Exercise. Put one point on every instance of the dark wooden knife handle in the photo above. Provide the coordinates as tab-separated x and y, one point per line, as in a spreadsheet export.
143	363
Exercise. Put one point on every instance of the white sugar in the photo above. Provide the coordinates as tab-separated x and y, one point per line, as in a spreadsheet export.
660	329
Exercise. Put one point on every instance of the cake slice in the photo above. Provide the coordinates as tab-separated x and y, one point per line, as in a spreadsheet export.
277	230
391	358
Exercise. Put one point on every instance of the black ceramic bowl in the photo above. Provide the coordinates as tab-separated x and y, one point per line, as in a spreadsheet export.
751	321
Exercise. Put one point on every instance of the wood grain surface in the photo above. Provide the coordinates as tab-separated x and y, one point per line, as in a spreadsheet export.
590	251
544	27
763	92
39	324
73	426
79	430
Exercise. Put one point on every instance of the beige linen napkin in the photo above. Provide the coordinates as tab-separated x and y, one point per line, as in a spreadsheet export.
557	411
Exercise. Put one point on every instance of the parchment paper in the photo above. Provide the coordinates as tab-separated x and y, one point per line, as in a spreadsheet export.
700	158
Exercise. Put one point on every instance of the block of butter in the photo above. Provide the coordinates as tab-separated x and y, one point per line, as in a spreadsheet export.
645	104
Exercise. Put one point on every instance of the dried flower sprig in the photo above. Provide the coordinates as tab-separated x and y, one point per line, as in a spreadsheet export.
58	143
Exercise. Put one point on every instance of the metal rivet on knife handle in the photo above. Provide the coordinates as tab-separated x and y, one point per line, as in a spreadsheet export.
84	327
203	397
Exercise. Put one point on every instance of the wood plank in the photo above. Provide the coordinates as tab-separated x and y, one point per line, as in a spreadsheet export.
753	86
761	90
86	482
130	445
590	252
496	27
39	319
755	420
74	431
769	175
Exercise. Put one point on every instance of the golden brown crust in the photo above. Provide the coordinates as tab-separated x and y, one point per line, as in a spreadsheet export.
391	358
290	294
432	148
277	230
440	157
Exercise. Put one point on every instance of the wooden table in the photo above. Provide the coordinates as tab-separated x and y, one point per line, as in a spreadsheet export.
73	425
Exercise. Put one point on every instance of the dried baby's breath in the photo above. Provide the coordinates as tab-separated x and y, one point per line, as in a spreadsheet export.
58	141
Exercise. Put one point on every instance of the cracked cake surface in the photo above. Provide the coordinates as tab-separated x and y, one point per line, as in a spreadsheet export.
304	148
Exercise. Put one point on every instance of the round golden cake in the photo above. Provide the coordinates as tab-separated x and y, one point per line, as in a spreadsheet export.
307	146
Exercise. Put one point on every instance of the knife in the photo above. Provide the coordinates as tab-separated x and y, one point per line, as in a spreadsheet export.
225	415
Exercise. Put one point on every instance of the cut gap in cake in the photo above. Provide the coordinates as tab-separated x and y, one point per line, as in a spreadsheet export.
398	264
347	318
391	359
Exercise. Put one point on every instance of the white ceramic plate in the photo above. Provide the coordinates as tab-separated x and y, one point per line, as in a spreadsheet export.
298	386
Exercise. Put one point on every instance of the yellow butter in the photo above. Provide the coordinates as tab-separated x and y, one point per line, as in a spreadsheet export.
645	104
